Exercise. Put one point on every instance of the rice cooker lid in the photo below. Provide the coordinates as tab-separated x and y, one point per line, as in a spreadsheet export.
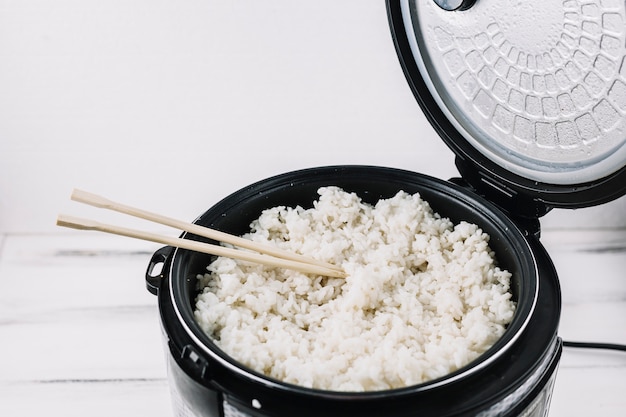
530	96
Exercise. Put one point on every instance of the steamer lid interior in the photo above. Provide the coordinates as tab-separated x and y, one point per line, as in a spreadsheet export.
530	94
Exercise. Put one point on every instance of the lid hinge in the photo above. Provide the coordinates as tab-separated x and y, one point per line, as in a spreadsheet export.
524	210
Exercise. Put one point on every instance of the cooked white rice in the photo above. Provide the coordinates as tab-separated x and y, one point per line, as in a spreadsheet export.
423	297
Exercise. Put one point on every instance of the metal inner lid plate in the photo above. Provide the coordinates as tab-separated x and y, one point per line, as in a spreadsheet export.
538	87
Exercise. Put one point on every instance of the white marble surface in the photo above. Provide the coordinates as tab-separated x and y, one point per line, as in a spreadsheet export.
80	333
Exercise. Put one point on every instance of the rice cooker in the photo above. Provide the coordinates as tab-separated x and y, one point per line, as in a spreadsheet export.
531	98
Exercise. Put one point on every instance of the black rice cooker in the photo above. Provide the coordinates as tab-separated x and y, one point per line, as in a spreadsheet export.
517	162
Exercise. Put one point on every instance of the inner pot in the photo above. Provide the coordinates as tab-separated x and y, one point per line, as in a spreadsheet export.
235	213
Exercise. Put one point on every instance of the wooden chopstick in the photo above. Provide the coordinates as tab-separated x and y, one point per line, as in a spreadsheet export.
276	253
101	202
85	224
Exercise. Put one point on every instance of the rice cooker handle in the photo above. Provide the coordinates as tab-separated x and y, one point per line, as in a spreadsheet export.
154	276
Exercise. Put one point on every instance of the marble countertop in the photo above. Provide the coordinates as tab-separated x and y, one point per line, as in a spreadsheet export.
81	334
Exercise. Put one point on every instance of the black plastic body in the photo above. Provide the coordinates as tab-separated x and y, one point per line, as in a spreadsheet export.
205	376
519	196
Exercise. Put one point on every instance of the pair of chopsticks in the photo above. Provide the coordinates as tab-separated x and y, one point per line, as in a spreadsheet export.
263	254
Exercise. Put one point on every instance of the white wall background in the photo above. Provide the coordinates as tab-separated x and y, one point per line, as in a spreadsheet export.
171	105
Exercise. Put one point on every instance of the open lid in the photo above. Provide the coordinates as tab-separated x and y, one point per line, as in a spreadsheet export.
530	95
